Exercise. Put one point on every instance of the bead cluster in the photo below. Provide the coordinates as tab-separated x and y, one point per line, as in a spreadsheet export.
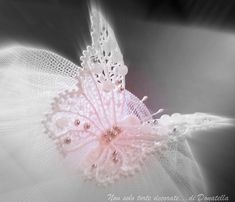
111	134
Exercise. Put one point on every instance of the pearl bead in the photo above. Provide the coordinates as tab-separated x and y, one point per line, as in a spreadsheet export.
94	166
67	140
115	159
77	122
86	126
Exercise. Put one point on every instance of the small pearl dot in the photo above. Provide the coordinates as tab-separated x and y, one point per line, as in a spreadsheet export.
86	126
115	153
67	140
94	166
77	122
115	159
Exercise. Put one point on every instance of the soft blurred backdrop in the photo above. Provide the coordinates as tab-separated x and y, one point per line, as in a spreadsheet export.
181	53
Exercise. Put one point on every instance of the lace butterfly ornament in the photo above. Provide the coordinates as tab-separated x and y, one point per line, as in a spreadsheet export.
101	127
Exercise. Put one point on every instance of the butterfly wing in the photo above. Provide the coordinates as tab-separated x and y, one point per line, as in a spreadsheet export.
84	121
181	125
175	155
104	58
